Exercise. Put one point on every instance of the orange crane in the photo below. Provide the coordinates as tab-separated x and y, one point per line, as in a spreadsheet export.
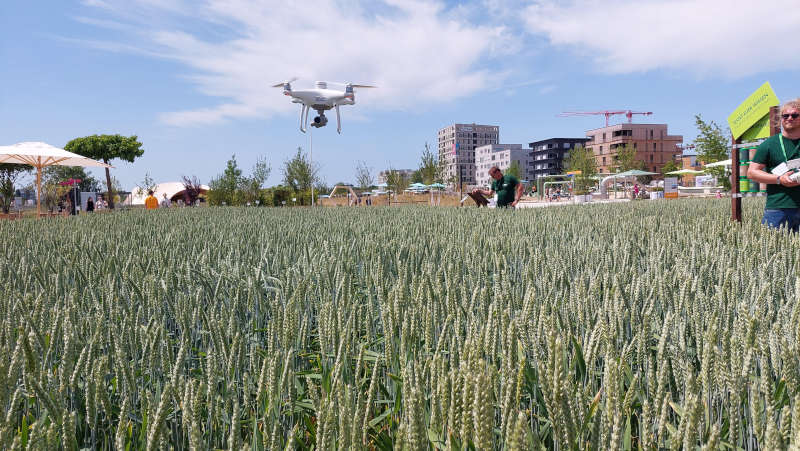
628	113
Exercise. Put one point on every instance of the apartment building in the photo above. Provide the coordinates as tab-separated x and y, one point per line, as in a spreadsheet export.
652	142
456	148
383	176
502	156
548	155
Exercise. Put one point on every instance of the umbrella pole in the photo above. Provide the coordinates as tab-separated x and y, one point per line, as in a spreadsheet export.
38	190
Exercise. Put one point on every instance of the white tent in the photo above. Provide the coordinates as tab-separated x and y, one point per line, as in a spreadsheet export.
41	155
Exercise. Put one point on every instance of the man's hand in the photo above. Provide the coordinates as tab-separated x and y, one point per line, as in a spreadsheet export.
514	204
787	182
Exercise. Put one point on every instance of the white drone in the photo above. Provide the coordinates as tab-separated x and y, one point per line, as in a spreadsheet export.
321	99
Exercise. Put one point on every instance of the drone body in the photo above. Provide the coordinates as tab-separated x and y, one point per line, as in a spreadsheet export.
320	98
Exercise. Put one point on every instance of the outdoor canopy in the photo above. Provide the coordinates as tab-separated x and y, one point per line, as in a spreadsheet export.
686	172
634	173
41	155
719	163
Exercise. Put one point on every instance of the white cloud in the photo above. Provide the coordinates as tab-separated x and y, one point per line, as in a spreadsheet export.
417	52
721	38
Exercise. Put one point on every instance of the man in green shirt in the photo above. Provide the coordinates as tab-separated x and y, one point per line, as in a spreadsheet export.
783	194
507	187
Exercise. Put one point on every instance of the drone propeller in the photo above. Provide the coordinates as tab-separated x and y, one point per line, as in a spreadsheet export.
284	83
351	85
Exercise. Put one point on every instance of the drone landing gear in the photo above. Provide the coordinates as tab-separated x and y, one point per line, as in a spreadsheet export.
319	121
304	118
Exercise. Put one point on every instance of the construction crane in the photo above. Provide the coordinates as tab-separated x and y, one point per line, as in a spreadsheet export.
628	113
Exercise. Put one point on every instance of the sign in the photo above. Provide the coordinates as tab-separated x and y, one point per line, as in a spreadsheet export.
671	187
759	130
752	111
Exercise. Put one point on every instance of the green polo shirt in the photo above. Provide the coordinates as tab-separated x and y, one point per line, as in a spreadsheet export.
505	189
770	154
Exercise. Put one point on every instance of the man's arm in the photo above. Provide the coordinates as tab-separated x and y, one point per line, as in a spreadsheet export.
757	173
484	192
517	195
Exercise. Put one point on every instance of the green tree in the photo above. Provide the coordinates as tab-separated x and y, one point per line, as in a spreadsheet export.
106	148
396	181
626	159
234	188
56	174
416	177
711	145
322	187
670	166
514	169
364	177
225	186
9	173
582	159
146	185
431	168
251	187
299	173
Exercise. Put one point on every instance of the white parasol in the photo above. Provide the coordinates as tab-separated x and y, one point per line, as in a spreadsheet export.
40	155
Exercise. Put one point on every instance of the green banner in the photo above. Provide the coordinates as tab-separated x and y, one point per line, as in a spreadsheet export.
752	111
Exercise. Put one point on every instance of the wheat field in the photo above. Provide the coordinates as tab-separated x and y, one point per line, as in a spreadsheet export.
650	325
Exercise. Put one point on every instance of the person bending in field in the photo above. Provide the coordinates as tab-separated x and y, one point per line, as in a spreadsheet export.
507	188
150	203
783	193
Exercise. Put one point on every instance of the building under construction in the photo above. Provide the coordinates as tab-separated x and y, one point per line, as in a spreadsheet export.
652	142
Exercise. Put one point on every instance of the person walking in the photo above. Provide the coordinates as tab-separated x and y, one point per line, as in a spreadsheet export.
151	203
768	166
90	205
507	188
165	202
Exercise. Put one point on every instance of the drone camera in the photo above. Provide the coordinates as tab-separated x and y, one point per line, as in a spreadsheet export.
320	121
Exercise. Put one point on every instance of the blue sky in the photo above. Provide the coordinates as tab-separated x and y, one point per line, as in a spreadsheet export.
191	77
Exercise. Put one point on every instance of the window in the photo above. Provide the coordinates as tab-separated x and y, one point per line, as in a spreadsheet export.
651	157
604	136
604	160
566	145
651	134
601	149
654	147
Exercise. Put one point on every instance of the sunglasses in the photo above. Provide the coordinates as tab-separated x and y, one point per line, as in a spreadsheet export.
793	116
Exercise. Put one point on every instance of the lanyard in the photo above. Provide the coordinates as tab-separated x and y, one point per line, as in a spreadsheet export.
784	149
